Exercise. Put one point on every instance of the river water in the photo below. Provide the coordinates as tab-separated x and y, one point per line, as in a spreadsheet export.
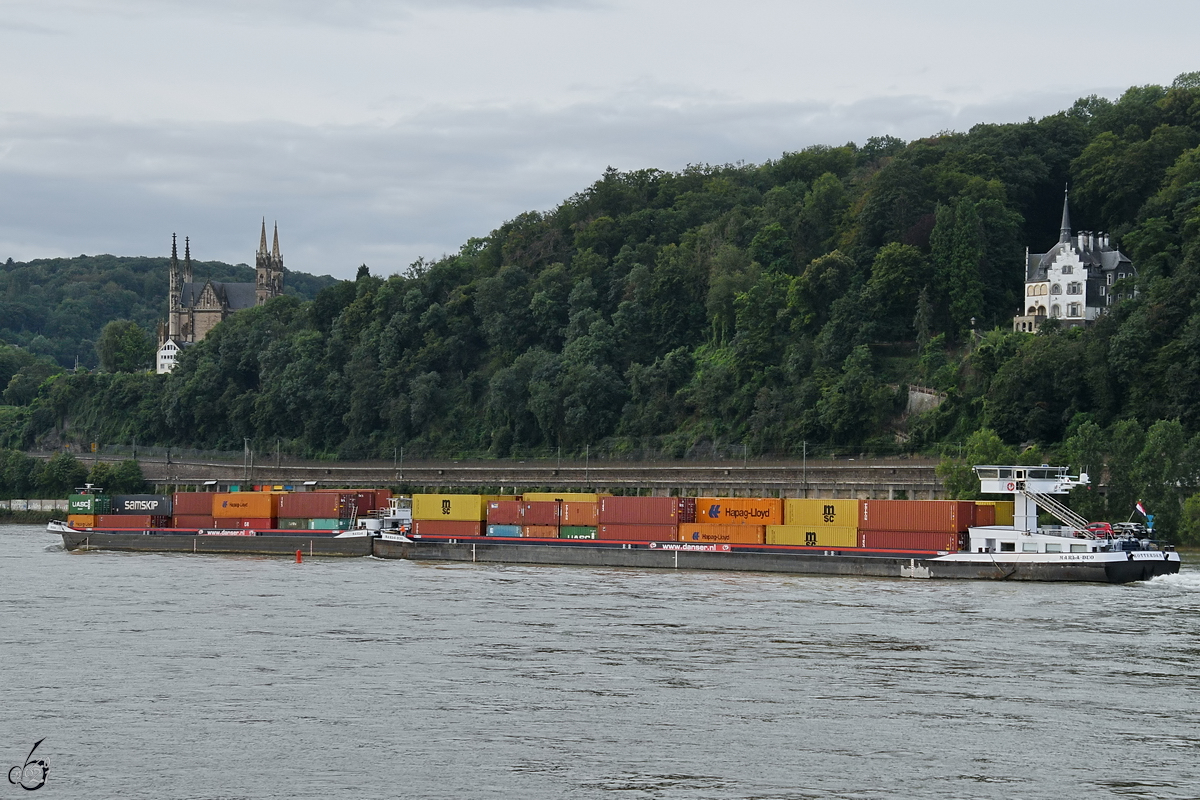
180	676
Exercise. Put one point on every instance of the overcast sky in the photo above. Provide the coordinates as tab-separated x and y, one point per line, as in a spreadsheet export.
378	131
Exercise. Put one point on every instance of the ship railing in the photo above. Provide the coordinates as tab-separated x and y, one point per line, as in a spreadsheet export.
1060	512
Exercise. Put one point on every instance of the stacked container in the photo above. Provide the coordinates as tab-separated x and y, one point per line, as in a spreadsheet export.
247	510
816	522
192	510
932	525
641	519
450	514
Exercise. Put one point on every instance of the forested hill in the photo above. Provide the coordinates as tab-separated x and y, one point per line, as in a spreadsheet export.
56	307
775	306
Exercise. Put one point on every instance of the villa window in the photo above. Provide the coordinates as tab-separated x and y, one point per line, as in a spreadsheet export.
1067	269
1103	289
1074	310
1110	279
1056	289
1055	311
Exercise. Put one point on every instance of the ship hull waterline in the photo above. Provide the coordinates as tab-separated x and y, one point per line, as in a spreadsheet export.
266	545
1114	569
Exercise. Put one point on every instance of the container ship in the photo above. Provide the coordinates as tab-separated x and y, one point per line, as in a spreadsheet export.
989	540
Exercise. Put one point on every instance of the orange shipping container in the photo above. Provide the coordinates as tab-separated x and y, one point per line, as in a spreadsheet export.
739	511
576	514
723	534
245	505
82	520
539	532
932	516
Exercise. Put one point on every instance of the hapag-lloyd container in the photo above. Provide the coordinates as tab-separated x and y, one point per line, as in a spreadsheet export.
723	534
193	503
639	533
576	514
511	531
448	527
542	512
196	521
820	511
81	520
933	516
640	511
813	535
503	512
739	510
930	541
245	505
539	531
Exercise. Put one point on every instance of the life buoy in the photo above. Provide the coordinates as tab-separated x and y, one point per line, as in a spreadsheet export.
1011	486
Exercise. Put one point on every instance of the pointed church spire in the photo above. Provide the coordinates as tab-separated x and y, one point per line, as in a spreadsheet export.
1064	230
275	247
174	249
262	242
187	250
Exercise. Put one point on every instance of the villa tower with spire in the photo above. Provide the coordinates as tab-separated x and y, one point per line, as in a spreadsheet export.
1075	281
194	309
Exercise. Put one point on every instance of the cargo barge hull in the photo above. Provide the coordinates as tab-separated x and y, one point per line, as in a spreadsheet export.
1104	568
192	542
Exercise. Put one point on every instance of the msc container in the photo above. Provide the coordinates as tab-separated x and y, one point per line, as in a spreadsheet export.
577	514
443	527
245	505
542	512
158	504
934	516
577	532
312	505
723	534
196	521
81	520
638	533
639	511
562	497
813	535
451	507
89	504
192	503
1004	511
912	540
329	524
504	512
739	510
132	521
511	531
539	531
292	524
815	511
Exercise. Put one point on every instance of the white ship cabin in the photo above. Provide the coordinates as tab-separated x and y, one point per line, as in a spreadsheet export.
1030	488
1075	282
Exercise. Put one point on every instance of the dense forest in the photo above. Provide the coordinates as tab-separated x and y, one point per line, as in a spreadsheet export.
778	307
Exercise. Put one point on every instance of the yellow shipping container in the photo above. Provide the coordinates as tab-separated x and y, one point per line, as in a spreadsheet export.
453	507
245	505
565	497
817	511
1005	510
813	535
739	511
722	534
82	520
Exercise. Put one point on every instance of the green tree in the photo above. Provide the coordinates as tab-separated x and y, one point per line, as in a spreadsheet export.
60	475
126	478
983	447
124	346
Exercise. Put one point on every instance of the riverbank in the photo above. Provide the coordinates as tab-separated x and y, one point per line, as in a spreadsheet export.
10	517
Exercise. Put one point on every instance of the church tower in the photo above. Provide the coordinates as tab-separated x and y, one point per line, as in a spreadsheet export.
268	267
175	296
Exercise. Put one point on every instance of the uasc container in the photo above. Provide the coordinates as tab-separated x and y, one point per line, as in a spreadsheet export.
813	535
940	516
244	505
638	533
739	510
819	511
723	534
157	504
577	532
89	504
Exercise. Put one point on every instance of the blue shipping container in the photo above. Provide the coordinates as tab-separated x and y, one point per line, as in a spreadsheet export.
504	530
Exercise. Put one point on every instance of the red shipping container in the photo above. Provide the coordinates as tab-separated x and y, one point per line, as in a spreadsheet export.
382	496
314	505
539	531
542	512
192	521
249	523
580	514
687	510
504	512
446	527
911	540
639	533
192	503
141	521
639	511
985	515
934	516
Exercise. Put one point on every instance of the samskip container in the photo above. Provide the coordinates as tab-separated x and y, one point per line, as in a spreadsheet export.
816	511
542	512
192	521
577	532
440	527
245	505
739	510
89	504
934	516
81	520
912	540
639	511
504	512
722	534
579	514
451	507
192	503
511	531
638	533
157	504
813	535
539	531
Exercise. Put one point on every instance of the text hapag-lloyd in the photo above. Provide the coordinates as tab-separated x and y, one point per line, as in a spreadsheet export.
714	512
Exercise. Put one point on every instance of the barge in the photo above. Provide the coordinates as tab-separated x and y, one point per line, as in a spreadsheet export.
243	542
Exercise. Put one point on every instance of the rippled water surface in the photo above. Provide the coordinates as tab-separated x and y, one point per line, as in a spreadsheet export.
214	676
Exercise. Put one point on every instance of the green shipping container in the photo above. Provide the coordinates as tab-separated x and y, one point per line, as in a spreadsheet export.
292	524
329	524
576	532
85	504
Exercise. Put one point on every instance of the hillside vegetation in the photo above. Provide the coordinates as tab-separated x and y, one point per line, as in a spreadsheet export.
779	306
